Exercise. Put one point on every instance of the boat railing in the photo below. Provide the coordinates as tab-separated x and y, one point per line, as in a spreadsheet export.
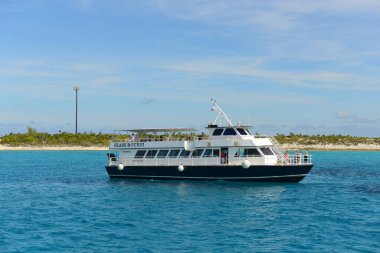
297	159
277	148
195	138
159	139
288	160
184	138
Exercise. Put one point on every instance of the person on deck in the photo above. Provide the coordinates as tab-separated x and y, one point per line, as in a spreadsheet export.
286	157
223	156
300	156
306	157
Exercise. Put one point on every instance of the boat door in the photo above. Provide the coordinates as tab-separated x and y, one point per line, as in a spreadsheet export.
224	155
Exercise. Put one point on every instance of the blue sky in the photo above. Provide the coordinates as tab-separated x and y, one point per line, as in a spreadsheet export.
302	66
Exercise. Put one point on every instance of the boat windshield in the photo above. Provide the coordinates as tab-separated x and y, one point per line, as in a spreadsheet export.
229	131
241	131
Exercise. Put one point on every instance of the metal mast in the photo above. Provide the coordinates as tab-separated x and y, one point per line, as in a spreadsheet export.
216	108
76	88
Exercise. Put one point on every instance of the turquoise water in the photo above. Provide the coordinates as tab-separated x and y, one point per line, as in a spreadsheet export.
63	201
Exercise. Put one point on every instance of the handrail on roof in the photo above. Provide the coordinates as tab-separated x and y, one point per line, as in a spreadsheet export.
158	130
237	126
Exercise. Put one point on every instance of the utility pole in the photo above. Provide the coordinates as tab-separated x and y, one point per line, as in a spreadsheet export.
76	88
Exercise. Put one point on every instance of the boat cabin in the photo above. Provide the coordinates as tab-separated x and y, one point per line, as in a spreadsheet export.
224	146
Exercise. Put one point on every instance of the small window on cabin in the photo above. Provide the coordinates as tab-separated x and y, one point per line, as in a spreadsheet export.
140	153
266	151
197	153
248	132
207	153
111	156
215	153
241	131
217	132
250	152
173	153
239	152
162	153
151	153
229	131
184	154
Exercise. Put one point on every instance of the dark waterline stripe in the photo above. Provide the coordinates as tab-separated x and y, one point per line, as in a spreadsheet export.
179	177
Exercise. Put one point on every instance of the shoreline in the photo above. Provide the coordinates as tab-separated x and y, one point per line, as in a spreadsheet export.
320	147
333	147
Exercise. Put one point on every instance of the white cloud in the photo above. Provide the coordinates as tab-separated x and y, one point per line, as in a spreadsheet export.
227	13
337	6
315	79
347	116
280	15
216	12
343	115
87	5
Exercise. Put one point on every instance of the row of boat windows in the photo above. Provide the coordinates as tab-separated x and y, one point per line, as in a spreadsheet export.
230	131
174	153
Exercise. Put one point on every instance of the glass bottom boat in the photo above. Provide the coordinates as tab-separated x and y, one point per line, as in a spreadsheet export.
228	153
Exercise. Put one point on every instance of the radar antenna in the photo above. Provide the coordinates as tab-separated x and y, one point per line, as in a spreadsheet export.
216	108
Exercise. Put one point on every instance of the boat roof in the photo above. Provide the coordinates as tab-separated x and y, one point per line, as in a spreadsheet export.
159	130
237	126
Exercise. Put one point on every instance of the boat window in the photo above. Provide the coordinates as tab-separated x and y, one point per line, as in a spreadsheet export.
111	156
140	153
229	131
239	152
241	131
266	151
173	153
207	153
215	153
184	154
162	153
251	152
248	132
197	153
151	153
217	132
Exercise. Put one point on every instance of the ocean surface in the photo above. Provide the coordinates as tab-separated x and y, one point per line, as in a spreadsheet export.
64	201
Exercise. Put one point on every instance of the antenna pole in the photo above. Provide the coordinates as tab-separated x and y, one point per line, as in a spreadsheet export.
216	108
76	88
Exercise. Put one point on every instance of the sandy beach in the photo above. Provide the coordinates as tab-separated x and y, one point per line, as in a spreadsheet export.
359	147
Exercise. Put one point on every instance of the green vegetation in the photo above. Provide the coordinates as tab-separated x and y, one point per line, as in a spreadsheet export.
325	139
34	138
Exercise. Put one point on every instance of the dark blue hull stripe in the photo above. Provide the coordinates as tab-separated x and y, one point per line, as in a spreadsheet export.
209	178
